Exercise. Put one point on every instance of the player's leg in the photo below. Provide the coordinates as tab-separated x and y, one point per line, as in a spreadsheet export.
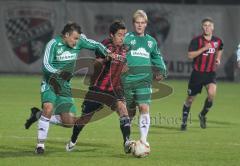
125	125
144	121
185	111
43	126
55	119
211	87
64	112
48	98
67	119
194	87
211	90
124	119
132	109
143	100
88	110
129	95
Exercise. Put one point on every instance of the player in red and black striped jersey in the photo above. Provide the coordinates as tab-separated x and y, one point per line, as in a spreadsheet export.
107	78
206	51
105	88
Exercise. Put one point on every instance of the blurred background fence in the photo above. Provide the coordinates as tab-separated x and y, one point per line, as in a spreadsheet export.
26	26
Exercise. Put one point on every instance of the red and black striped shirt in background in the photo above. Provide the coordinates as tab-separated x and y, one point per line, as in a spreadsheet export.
206	61
107	76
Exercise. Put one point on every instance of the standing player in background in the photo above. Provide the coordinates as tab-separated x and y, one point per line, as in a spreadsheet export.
206	51
142	57
106	87
59	61
238	56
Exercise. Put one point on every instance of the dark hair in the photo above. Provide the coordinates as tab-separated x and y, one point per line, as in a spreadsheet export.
70	27
115	26
209	19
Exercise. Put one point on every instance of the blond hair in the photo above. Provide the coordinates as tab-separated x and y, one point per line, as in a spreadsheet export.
140	13
207	19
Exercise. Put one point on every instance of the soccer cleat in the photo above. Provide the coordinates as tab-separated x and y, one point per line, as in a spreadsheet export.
128	146
39	149
183	127
70	146
33	118
202	120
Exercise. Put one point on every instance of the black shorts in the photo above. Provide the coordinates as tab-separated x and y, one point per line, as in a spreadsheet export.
198	80
95	99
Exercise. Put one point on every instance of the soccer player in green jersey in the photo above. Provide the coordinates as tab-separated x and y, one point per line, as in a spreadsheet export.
59	61
143	57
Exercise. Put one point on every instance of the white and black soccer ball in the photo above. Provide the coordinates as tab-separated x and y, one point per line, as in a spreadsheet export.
140	149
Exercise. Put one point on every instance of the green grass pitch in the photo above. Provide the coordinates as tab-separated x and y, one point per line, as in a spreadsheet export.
101	143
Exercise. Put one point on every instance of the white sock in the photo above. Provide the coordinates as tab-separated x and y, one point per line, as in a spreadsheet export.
43	126
55	119
41	145
144	124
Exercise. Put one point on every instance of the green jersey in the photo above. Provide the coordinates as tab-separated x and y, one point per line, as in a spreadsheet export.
143	56
60	57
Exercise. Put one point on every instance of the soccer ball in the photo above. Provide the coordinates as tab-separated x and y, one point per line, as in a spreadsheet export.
140	149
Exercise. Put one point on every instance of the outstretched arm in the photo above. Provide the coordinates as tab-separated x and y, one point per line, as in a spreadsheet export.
93	45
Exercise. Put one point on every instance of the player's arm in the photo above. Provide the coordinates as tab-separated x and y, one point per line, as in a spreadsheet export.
219	54
218	57
194	51
158	63
49	56
93	45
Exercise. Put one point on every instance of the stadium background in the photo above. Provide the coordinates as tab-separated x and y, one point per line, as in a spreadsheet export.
26	26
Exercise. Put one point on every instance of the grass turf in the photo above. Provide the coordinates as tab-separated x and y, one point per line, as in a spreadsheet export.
101	142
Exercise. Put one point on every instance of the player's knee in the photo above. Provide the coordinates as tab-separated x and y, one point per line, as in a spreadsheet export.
189	101
68	122
211	94
47	109
144	108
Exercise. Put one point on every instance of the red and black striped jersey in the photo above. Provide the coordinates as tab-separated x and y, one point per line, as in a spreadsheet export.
206	61
108	76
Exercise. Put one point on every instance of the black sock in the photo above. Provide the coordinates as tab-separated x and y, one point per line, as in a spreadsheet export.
76	131
206	107
185	114
125	127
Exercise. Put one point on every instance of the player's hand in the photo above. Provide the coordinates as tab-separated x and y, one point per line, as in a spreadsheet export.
111	55
158	77
114	56
55	85
66	75
207	46
218	62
